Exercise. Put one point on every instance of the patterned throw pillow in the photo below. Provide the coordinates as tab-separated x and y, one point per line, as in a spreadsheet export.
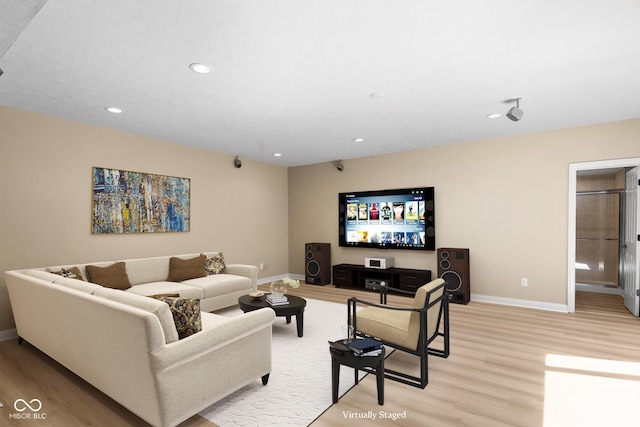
186	314
71	273
216	265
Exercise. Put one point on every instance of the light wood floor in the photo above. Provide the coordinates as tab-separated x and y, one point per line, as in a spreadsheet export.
509	366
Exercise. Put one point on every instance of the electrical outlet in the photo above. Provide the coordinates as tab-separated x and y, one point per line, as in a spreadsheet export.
261	266
524	282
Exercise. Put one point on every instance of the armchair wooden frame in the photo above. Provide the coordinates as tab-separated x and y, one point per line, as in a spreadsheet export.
436	299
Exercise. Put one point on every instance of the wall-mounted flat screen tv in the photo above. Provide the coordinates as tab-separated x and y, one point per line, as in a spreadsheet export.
388	219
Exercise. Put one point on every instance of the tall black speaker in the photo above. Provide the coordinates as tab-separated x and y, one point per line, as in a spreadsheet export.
317	263
453	267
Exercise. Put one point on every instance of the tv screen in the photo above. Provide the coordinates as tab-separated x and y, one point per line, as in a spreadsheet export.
388	219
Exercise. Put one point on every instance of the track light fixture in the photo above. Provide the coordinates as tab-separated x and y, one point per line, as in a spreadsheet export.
237	162
515	113
339	165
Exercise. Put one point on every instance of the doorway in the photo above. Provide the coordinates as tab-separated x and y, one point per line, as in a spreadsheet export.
599	215
599	237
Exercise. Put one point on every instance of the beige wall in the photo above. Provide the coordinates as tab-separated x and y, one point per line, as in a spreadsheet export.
45	212
505	199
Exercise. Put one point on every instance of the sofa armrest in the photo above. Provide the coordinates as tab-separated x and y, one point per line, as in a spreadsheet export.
203	368
250	271
206	341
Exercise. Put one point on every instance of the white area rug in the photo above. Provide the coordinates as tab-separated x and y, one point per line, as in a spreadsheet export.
299	387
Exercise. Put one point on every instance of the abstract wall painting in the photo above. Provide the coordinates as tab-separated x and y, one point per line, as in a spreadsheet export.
135	202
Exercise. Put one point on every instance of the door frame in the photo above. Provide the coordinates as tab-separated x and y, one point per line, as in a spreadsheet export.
574	168
631	190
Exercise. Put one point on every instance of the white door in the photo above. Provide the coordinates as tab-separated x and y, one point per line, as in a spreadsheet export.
630	276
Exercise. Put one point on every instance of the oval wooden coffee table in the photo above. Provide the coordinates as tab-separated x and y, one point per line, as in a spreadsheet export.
294	308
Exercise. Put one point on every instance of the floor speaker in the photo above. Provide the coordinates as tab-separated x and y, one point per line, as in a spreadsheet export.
317	263
453	267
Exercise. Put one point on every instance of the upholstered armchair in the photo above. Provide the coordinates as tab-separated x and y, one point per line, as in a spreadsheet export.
412	330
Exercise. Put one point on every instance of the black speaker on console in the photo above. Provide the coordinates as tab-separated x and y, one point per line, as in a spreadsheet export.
453	267
317	263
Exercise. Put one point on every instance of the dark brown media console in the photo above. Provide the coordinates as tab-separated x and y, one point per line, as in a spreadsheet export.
359	276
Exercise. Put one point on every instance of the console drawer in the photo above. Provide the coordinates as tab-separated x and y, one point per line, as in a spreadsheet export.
412	280
342	277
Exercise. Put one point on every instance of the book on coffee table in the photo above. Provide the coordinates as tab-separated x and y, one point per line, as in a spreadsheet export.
277	300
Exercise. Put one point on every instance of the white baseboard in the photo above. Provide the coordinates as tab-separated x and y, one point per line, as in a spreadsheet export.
521	303
9	334
563	308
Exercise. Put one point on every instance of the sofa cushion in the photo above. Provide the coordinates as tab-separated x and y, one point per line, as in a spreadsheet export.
71	273
78	285
156	288
113	276
221	284
183	269
43	275
146	270
216	264
159	308
186	315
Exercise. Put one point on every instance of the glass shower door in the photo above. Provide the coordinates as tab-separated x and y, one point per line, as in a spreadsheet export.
598	238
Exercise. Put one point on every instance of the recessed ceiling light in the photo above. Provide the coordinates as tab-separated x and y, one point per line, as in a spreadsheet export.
199	68
113	110
277	155
358	139
494	115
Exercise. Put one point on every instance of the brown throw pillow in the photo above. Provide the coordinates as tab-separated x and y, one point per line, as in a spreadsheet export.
113	276
186	315
185	269
216	264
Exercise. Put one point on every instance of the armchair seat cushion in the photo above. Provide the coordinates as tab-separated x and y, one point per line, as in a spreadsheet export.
390	325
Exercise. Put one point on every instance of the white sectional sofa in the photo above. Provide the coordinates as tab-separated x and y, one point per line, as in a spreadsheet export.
127	345
149	276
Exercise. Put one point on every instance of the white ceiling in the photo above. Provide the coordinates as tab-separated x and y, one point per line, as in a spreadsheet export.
296	76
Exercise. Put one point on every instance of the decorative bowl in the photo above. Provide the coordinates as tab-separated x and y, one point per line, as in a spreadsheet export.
256	295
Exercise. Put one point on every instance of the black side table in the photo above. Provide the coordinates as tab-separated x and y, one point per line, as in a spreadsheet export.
364	363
